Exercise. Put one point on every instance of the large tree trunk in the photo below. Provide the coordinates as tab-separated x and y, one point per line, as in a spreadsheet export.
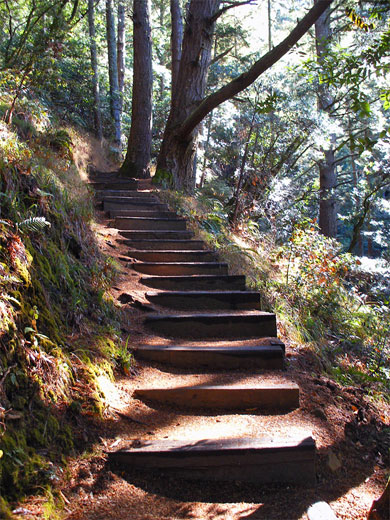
177	155
137	161
113	73
176	42
94	66
121	50
188	107
328	176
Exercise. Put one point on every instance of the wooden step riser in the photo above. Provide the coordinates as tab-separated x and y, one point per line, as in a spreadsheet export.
232	327
140	213
138	199
278	397
194	283
180	269
197	460
157	235
119	185
112	194
139	223
174	245
207	300
134	203
267	358
174	256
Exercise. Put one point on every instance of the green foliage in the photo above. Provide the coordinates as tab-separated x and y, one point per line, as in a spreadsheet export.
52	289
312	286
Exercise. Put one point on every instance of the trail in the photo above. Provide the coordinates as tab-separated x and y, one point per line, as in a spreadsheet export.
215	395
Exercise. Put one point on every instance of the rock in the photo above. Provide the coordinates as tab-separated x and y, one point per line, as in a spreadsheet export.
125	298
334	462
321	511
319	412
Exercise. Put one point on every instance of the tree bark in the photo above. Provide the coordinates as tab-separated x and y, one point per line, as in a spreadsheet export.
121	50
94	66
137	161
189	108
176	42
113	73
328	175
177	155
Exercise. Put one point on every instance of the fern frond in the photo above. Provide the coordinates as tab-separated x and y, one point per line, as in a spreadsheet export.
33	225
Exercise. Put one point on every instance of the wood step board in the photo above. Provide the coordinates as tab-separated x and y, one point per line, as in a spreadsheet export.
278	397
156	235
156	244
261	460
226	357
205	299
224	325
119	193
111	182
170	255
140	212
132	203
196	282
153	224
180	268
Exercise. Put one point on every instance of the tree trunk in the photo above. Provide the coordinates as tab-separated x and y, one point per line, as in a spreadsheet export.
188	108
177	155
121	50
328	176
206	149
176	42
242	170
94	66
113	73
137	161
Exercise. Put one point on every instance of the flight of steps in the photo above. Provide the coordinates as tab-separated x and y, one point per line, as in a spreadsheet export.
207	320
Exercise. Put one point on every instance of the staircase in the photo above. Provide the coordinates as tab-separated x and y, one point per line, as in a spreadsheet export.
204	319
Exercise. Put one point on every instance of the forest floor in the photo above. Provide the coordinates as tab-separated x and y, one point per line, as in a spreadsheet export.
351	433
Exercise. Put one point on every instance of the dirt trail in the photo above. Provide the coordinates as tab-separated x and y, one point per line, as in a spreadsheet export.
350	463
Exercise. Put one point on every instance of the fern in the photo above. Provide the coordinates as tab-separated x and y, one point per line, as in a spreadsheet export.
33	225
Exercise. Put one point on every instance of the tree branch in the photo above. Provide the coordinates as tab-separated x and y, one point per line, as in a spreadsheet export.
229	6
247	78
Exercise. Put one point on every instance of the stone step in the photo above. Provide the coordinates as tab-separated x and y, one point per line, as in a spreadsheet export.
133	203
114	193
226	357
154	244
194	282
180	268
268	397
156	235
144	223
260	460
206	299
174	256
225	325
141	213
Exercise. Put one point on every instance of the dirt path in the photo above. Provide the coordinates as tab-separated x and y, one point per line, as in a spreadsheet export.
348	429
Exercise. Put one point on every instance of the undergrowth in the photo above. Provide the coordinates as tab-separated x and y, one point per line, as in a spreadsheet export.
320	297
58	326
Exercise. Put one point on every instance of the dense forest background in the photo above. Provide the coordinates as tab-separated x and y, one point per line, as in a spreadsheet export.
284	154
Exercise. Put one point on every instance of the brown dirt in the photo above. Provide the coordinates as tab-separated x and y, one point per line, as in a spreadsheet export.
349	429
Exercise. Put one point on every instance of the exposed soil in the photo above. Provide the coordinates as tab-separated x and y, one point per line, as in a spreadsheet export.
352	435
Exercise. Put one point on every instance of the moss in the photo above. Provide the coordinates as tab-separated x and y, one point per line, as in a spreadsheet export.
163	178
